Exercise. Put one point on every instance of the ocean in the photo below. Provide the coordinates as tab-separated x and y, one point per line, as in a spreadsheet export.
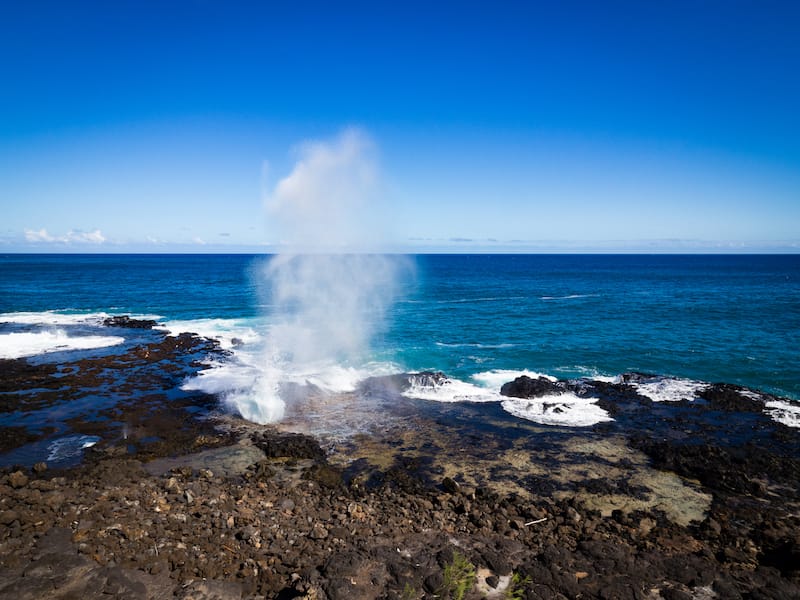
481	320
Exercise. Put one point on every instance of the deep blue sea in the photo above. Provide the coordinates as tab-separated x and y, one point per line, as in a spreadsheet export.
480	319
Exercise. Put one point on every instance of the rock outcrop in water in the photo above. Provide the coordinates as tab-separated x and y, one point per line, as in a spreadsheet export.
125	321
527	387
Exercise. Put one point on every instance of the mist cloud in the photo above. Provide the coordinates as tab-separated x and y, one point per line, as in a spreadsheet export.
330	200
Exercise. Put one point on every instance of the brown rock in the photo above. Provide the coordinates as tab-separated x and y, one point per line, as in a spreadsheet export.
451	486
318	532
18	479
8	516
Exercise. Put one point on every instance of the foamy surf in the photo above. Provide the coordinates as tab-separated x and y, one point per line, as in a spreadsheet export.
784	412
228	332
255	380
451	390
566	410
666	389
32	343
260	386
52	317
495	378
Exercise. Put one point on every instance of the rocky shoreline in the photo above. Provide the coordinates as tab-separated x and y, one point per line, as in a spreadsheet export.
673	501
290	526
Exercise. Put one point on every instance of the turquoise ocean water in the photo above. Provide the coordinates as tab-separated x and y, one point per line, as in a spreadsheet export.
481	319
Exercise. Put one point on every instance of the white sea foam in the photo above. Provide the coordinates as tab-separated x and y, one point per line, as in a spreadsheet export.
29	343
221	377
565	409
453	390
670	390
751	394
51	317
787	413
228	332
558	409
496	378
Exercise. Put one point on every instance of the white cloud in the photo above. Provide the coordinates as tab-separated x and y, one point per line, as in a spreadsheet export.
93	237
38	236
72	236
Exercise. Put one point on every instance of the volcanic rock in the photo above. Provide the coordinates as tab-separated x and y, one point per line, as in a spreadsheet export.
289	445
128	323
731	398
526	387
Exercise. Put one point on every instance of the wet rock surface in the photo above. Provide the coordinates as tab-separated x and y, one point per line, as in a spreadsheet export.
127	322
132	396
427	498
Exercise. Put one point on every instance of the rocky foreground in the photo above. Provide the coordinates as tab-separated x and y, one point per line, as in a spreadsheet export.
668	501
289	527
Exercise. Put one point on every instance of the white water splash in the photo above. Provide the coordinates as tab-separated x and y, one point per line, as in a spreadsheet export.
329	289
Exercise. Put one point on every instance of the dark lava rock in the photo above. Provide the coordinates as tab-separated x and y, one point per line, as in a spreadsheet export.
18	374
450	486
636	377
288	445
128	323
723	396
730	469
526	387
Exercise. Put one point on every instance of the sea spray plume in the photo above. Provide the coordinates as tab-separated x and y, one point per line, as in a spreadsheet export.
330	202
327	307
330	288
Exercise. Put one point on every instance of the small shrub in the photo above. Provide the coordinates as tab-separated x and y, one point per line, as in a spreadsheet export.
459	577
516	589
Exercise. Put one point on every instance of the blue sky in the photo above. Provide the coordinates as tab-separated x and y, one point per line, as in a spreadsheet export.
568	126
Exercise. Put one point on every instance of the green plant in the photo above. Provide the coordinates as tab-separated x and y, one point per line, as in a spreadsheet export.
409	593
516	588
458	578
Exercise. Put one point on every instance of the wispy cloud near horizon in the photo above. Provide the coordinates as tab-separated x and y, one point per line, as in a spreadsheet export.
41	236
